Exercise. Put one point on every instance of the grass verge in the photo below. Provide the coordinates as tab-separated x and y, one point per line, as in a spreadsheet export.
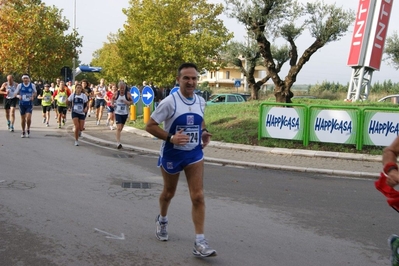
238	123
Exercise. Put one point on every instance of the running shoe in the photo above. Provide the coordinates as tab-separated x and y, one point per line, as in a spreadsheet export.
8	124
28	133
11	128
76	143
111	127
202	249
161	231
23	135
59	125
44	120
47	125
119	146
107	124
98	122
63	122
393	243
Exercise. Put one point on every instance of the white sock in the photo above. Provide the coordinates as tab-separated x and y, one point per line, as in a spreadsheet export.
199	237
163	219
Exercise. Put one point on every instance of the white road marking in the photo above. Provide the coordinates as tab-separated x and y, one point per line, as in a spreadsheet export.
111	236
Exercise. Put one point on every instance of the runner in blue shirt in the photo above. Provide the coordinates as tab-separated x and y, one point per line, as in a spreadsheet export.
26	92
184	136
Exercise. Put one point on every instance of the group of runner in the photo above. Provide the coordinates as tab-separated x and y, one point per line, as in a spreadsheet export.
80	99
178	121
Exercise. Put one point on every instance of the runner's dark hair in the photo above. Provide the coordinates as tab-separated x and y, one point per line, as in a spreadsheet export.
186	65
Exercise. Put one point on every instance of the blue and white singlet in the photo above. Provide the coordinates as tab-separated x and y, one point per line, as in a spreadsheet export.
179	113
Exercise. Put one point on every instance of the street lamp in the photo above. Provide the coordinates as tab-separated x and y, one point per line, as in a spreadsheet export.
74	30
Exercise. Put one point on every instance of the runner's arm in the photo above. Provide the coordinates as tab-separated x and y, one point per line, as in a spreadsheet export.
389	159
154	129
34	91
16	92
3	89
40	96
205	135
130	101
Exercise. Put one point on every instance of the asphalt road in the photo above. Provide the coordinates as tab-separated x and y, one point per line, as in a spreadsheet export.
58	204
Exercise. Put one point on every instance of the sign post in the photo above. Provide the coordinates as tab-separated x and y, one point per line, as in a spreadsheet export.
367	45
134	91
147	98
237	84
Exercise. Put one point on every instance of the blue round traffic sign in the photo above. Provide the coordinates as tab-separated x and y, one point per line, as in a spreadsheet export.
134	91
174	90
147	95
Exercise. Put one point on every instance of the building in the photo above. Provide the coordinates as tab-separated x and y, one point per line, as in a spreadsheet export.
226	77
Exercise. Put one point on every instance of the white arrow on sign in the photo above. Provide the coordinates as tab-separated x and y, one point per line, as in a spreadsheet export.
111	236
135	95
147	95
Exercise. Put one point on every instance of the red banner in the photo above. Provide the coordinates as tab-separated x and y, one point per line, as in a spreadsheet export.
358	42
378	34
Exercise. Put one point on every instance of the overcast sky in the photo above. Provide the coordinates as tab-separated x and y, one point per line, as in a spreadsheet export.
96	19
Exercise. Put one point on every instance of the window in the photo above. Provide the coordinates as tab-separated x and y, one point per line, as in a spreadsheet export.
227	74
231	98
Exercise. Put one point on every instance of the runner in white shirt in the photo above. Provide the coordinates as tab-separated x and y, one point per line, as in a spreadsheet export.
121	102
100	102
10	101
78	102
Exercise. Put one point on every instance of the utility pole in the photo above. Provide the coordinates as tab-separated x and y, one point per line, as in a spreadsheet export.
246	66
74	30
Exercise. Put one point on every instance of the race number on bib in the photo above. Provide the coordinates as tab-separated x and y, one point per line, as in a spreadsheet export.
62	99
11	91
121	107
194	137
78	108
26	97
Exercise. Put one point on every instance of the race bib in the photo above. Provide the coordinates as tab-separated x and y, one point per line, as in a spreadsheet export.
193	132
26	97
11	91
62	99
121	107
47	98
78	108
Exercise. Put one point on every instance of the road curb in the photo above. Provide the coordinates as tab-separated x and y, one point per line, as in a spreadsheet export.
243	164
279	151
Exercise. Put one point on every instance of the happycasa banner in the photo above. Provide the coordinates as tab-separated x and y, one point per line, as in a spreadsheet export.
380	128
333	126
282	122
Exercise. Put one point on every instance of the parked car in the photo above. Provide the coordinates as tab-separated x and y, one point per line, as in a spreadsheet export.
225	98
304	97
245	95
394	98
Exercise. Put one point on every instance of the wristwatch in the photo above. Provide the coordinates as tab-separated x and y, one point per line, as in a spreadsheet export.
169	138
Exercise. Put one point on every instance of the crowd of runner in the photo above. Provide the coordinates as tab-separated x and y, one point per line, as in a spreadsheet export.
80	99
178	120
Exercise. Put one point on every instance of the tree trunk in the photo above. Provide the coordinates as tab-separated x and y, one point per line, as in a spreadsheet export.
254	92
283	94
